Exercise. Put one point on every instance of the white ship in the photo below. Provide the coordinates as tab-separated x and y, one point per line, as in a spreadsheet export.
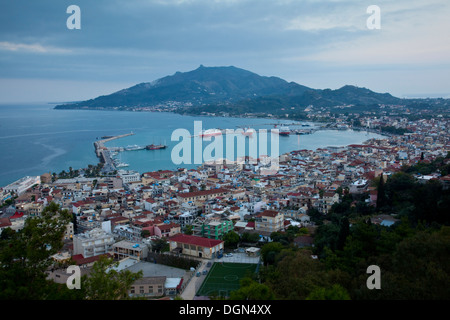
122	164
210	133
133	148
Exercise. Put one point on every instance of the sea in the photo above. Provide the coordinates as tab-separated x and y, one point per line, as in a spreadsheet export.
36	138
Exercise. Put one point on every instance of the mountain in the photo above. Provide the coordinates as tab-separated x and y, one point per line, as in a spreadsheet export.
205	85
230	89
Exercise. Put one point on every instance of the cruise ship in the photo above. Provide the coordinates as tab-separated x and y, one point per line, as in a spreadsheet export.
247	132
210	133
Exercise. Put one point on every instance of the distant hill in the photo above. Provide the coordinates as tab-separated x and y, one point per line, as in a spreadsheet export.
232	90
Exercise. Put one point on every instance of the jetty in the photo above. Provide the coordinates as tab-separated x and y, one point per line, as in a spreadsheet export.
104	154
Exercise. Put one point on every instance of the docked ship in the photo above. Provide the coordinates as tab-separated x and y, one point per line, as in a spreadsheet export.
247	132
155	147
210	133
284	131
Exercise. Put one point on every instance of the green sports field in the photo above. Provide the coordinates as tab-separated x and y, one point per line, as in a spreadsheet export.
224	277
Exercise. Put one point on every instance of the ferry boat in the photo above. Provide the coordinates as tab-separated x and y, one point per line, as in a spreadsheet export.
155	147
210	133
133	148
247	132
284	131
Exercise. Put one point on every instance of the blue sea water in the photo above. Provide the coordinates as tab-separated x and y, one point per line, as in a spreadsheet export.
35	138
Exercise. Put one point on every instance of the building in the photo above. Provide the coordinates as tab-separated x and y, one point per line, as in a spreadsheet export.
22	185
129	176
329	198
148	287
359	186
92	243
269	221
202	195
126	249
196	246
216	229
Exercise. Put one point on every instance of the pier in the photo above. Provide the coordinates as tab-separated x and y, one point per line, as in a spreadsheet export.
103	153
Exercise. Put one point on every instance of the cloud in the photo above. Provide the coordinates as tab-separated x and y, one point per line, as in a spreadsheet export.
31	48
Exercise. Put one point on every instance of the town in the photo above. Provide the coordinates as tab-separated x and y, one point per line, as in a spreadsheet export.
129	216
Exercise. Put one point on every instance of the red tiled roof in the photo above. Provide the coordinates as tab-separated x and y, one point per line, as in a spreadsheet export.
268	213
80	259
199	241
16	215
5	222
201	193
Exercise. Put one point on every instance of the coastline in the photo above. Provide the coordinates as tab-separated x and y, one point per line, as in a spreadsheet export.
69	155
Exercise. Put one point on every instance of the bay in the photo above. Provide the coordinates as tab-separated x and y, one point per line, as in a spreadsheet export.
35	138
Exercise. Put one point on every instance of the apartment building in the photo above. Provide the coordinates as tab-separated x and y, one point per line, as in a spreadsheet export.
269	221
92	243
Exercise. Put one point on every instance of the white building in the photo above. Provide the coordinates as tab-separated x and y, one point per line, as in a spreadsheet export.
129	176
92	243
359	186
23	184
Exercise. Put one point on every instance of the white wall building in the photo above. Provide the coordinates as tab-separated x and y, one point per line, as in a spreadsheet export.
129	176
23	184
92	243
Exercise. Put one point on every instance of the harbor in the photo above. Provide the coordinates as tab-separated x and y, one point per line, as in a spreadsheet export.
107	154
104	154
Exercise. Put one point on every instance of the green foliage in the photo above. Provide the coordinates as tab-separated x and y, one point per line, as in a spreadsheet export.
159	245
25	255
106	283
336	292
231	239
252	290
269	251
172	260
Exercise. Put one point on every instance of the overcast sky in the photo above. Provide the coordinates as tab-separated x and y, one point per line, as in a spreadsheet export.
317	43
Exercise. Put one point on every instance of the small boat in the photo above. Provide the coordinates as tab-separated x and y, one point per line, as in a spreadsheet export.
133	148
155	147
122	164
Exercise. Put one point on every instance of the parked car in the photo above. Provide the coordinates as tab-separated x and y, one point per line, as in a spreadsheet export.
228	255
205	272
198	273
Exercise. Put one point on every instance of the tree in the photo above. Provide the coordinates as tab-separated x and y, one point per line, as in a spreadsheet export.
336	292
158	245
106	283
381	194
75	223
25	254
231	239
250	237
189	229
269	251
252	290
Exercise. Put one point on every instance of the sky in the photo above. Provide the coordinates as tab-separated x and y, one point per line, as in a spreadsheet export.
317	43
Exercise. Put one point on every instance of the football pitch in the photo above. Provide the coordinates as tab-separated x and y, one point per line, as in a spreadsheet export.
224	277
